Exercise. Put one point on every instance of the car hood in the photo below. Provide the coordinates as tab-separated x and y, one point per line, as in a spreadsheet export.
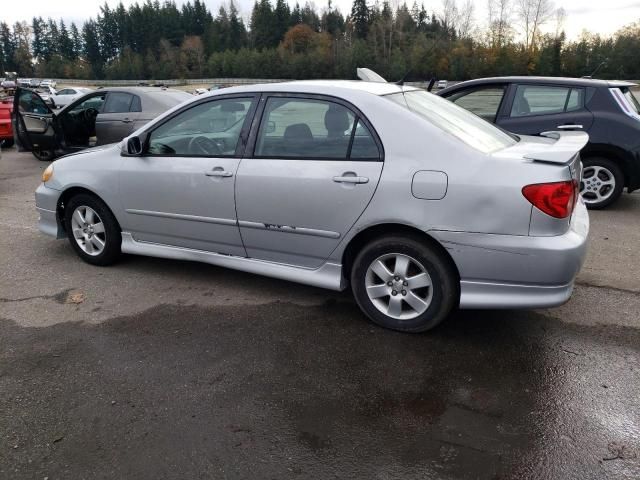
89	151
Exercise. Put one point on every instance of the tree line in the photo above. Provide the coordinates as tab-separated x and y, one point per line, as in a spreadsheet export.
161	41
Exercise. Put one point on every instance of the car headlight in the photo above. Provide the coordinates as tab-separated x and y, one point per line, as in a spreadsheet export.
47	174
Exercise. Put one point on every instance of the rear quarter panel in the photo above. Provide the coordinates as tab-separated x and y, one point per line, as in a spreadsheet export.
483	193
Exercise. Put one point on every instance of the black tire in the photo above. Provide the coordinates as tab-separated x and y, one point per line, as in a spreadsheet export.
613	195
445	286
44	155
112	236
7	143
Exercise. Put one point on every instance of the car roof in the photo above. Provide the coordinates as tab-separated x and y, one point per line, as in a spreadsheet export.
325	87
568	81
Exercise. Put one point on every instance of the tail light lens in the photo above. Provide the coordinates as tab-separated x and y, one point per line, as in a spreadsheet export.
4	113
556	199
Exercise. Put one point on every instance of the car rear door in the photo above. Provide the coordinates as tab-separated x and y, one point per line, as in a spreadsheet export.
312	166
33	121
535	108
115	119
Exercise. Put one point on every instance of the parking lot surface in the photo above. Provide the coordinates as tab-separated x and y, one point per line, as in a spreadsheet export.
163	369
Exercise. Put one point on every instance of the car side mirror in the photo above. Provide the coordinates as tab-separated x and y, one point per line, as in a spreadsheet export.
134	146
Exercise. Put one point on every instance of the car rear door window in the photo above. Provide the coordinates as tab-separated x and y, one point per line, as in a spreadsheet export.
117	102
484	102
136	104
530	100
301	128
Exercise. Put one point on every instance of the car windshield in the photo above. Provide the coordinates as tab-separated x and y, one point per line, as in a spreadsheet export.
466	126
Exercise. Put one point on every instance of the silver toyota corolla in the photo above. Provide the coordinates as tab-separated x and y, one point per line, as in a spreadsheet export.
416	203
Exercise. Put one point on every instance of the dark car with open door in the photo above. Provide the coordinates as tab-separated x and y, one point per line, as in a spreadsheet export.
101	117
607	110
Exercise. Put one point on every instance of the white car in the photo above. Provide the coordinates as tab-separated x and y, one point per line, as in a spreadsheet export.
67	95
48	83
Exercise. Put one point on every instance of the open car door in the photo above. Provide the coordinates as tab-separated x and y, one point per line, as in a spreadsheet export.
33	124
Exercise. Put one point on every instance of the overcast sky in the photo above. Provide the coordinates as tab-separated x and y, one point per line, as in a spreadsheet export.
604	17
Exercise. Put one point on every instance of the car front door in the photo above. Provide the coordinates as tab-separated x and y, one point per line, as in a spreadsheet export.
532	109
115	120
180	191
33	122
312	166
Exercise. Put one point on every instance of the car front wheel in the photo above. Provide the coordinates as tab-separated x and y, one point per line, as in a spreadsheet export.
44	155
602	182
92	229
403	284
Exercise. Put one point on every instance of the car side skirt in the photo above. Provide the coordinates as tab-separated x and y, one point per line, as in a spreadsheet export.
328	276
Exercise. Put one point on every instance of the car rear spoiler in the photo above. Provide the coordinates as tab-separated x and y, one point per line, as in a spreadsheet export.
565	148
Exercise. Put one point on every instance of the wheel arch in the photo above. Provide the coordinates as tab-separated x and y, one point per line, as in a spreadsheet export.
374	232
71	192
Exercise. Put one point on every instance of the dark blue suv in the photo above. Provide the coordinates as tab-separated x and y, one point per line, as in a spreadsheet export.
607	110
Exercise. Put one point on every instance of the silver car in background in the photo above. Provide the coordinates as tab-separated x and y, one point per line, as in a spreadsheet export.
103	116
417	204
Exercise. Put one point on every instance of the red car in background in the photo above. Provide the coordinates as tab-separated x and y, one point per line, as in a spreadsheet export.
6	131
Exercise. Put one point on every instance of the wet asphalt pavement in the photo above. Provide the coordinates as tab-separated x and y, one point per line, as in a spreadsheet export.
164	369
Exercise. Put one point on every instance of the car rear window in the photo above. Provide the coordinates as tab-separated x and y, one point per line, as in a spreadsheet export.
471	129
627	101
165	99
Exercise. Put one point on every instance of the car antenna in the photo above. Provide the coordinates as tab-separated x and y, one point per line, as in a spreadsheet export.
404	78
602	64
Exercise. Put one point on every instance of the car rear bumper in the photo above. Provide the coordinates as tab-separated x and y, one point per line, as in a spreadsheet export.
505	271
46	205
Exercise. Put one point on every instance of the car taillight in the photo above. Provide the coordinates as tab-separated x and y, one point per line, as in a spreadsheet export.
556	199
4	113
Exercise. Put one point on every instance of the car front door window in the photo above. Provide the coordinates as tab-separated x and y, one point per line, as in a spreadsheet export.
484	102
210	129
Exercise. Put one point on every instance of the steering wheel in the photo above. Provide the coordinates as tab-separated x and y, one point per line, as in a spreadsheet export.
204	145
90	114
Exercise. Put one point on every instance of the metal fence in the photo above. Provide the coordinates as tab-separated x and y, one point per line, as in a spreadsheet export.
191	81
170	83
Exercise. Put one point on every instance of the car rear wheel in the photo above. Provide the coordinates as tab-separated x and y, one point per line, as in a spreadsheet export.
7	143
44	155
602	182
92	229
402	284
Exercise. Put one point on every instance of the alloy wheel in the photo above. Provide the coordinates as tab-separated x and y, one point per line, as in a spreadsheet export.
399	286
88	230
597	185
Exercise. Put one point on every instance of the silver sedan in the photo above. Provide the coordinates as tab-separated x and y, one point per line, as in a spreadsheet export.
417	204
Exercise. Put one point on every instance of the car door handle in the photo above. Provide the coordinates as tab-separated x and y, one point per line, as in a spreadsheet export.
127	120
218	173
350	179
569	127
